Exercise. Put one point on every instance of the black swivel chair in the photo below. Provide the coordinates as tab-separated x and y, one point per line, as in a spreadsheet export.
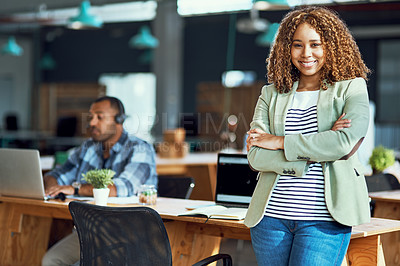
124	236
175	187
381	182
11	122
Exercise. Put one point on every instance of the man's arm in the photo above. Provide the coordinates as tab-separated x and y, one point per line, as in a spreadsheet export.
139	169
60	179
52	188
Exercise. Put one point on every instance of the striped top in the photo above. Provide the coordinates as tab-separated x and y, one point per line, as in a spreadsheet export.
301	198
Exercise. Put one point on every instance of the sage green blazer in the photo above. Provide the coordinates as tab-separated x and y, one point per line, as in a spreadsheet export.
346	192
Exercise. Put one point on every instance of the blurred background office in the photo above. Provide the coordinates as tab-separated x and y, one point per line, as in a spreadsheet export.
197	65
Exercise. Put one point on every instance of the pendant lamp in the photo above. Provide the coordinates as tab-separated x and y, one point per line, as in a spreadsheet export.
270	4
47	62
12	48
144	39
85	20
268	37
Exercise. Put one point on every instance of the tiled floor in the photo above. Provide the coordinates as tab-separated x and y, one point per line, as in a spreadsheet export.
241	251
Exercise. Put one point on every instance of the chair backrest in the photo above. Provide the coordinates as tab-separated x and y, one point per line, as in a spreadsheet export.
120	235
382	182
175	187
66	126
11	122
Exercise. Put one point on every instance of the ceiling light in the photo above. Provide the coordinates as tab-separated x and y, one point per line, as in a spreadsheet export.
253	24
270	4
144	39
12	48
47	62
84	19
267	38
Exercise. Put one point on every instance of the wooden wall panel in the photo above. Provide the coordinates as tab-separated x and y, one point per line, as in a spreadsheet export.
66	99
215	103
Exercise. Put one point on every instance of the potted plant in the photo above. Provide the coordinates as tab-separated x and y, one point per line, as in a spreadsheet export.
381	159
100	179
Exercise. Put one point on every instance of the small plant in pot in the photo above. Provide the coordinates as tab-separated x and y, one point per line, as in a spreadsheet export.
100	179
381	159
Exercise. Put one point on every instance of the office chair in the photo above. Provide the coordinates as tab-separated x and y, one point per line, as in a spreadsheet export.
381	182
11	122
175	187
124	236
66	126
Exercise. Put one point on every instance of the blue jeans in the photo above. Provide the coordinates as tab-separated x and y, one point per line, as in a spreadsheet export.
288	242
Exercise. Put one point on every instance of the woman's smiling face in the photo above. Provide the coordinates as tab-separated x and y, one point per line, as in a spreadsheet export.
307	51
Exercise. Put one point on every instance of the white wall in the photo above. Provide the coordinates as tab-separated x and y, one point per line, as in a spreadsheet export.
16	76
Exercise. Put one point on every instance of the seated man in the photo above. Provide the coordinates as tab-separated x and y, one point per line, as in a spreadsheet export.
109	147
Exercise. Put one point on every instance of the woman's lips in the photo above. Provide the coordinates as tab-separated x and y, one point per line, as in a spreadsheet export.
308	64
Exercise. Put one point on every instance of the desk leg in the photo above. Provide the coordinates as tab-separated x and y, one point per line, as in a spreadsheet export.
188	247
365	251
390	241
26	247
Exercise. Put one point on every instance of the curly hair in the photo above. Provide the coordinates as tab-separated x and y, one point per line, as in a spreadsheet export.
343	58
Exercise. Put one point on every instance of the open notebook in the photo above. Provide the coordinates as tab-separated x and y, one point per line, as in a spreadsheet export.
235	185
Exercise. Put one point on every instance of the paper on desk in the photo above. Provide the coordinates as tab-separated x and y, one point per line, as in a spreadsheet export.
114	200
124	200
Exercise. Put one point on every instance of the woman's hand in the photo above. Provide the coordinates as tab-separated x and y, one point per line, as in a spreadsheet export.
257	137
341	123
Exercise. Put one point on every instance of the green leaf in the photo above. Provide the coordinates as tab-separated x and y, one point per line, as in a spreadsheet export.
99	178
381	158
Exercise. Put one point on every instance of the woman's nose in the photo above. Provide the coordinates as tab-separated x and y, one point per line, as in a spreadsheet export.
307	51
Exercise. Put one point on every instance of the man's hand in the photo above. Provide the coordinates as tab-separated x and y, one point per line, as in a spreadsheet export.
56	189
259	138
52	188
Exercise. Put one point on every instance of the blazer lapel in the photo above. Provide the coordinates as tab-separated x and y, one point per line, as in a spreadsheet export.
283	103
325	108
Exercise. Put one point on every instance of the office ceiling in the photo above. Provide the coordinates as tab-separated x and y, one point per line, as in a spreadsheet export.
19	6
28	15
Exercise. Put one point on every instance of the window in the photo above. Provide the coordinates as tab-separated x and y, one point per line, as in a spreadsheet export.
137	92
388	93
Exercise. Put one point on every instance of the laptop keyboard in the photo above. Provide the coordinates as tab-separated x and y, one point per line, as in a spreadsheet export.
234	205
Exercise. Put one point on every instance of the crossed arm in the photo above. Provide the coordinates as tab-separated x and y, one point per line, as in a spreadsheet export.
271	153
259	138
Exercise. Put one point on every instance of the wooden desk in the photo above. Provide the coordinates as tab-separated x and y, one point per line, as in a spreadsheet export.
387	205
201	166
25	228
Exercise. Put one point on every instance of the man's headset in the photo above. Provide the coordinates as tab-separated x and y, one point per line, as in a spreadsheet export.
121	116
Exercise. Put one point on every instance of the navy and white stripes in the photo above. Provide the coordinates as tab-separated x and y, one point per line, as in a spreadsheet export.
301	198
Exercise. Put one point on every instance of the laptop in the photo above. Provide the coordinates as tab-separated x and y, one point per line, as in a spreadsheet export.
236	181
21	174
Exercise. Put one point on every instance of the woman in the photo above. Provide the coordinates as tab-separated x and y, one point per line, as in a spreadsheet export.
307	125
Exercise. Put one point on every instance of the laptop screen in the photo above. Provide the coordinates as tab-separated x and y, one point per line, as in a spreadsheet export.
21	174
235	180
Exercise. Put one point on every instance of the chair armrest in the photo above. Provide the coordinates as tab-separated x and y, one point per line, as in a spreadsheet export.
226	259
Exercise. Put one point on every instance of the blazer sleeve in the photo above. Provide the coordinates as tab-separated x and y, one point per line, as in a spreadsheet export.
264	160
334	145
